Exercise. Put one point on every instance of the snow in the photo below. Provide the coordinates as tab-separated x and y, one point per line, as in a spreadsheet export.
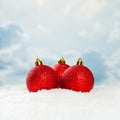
101	103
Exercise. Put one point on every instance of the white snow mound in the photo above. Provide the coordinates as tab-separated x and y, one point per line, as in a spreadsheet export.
101	103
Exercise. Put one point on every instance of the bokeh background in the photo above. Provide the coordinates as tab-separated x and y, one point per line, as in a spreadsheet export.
51	29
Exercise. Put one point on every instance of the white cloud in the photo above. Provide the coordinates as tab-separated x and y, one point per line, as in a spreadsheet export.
91	8
97	27
69	6
114	59
83	34
96	63
42	28
11	66
10	34
87	8
113	73
11	63
92	30
115	34
111	80
71	56
117	14
44	53
40	2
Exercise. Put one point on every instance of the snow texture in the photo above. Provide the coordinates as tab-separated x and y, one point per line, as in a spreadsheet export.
101	103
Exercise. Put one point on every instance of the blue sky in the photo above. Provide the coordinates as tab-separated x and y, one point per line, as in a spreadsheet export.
51	29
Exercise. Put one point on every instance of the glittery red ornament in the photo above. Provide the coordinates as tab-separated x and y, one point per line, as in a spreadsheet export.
60	69
78	78
40	77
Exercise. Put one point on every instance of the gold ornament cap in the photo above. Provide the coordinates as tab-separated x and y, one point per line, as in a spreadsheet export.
38	62
80	61
61	61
